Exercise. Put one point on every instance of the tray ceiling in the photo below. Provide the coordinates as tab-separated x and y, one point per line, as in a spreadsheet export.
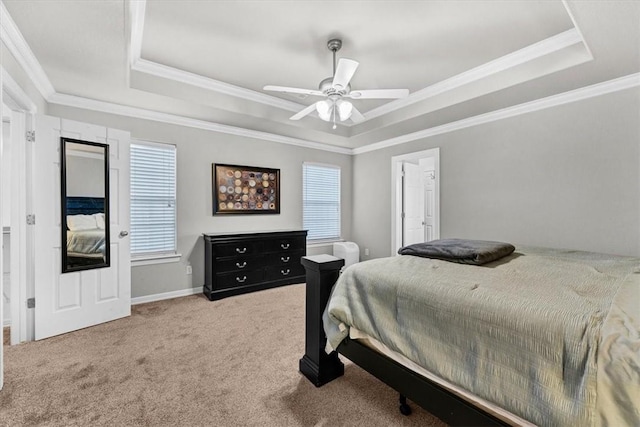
208	60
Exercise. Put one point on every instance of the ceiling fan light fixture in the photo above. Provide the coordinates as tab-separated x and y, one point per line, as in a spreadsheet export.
324	109
334	108
345	108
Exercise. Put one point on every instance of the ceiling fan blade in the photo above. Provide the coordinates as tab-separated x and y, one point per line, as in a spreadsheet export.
310	109
356	116
344	72
293	90
378	94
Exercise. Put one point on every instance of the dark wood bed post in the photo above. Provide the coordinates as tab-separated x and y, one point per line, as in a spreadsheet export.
318	366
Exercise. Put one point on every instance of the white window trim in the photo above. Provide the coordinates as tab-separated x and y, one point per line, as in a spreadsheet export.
323	242
150	259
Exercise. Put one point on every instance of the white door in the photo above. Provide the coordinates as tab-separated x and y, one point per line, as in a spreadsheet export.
412	205
429	180
75	300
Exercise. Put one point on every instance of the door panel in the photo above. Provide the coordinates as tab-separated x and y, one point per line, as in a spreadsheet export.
75	300
413	205
429	204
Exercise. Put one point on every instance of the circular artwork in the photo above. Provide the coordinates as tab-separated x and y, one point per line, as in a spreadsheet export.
244	189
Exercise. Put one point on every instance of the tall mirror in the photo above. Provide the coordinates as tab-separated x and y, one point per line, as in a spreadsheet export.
85	204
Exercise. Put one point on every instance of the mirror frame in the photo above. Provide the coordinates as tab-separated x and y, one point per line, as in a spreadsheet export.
63	200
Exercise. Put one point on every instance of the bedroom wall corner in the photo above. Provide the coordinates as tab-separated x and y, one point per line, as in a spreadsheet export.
563	177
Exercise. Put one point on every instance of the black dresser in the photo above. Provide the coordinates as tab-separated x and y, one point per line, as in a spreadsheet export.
237	263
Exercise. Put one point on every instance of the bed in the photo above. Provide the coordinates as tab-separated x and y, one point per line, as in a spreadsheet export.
86	231
541	337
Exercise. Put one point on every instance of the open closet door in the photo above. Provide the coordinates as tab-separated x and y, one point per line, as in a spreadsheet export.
73	300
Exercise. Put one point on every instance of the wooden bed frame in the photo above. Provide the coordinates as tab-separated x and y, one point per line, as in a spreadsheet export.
322	271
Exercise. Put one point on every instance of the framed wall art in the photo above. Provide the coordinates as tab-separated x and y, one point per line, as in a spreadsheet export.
245	190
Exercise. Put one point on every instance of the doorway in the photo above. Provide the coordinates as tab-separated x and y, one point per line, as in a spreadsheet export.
415	196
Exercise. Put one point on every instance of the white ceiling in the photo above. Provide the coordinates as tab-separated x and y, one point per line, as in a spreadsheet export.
209	60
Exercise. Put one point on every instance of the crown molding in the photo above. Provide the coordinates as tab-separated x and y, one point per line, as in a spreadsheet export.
19	48
615	85
577	27
511	60
141	113
164	71
136	14
14	96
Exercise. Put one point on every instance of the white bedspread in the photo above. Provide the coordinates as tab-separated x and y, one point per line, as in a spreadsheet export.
86	243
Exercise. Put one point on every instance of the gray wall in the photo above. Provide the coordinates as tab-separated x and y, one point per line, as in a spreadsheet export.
85	176
565	177
196	151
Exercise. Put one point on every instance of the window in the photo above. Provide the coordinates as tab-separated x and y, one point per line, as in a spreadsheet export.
153	199
321	201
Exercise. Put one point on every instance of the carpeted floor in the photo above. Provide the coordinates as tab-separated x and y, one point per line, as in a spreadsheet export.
190	362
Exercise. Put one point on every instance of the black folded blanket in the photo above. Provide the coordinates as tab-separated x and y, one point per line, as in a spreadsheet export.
476	252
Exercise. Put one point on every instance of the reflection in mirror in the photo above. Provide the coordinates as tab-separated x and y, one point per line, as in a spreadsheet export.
85	205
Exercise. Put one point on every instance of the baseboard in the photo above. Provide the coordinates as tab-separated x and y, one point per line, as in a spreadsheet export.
166	295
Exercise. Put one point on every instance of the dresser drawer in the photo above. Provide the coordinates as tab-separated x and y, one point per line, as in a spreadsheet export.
284	258
286	244
241	263
238	278
239	248
283	271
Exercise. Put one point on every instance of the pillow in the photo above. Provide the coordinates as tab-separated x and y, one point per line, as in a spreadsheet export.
462	251
99	220
81	222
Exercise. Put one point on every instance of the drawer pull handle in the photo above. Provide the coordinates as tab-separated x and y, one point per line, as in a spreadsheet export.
284	245
243	265
239	280
285	272
285	258
241	251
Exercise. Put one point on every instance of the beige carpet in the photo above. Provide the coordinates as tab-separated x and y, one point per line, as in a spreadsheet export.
189	362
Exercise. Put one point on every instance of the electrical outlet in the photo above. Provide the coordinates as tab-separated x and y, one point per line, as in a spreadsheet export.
366	251
189	269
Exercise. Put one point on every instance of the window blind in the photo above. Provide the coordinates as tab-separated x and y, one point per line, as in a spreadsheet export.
153	199
321	201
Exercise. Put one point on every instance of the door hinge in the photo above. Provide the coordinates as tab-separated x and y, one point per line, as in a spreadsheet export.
31	303
31	219
402	215
31	136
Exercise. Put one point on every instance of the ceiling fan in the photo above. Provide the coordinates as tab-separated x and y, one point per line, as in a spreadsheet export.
335	89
